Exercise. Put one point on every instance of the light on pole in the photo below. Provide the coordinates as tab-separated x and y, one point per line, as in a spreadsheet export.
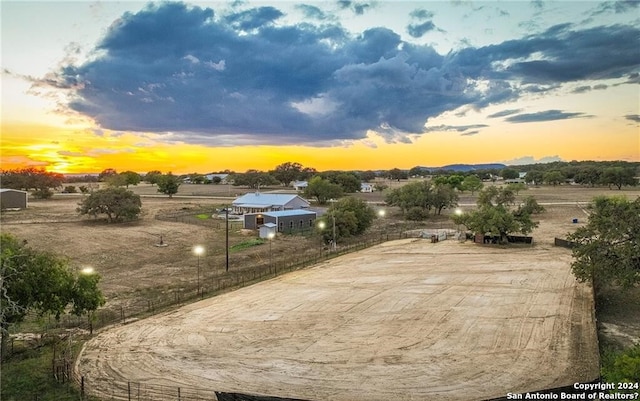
88	271
381	214
271	235
198	250
458	213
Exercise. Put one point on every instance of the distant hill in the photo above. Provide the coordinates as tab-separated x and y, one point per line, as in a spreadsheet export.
468	167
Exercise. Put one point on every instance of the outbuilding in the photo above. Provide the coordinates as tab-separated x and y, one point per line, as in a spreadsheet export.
286	221
13	199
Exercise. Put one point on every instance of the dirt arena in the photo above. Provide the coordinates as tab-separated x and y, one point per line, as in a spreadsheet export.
407	320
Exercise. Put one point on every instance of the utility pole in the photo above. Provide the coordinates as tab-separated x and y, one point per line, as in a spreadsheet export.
226	215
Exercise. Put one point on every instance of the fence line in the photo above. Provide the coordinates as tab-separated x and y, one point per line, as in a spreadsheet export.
210	286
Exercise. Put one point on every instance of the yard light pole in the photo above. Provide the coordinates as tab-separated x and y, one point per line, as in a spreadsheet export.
226	219
271	235
321	225
381	214
458	213
88	271
198	250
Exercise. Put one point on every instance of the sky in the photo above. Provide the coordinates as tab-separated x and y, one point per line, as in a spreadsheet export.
350	85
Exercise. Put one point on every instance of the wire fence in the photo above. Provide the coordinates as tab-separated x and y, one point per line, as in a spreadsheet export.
70	325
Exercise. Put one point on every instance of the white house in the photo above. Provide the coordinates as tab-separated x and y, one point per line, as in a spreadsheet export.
223	177
300	185
259	203
366	187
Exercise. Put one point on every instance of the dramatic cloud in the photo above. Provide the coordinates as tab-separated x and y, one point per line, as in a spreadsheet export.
418	29
548	115
245	77
633	117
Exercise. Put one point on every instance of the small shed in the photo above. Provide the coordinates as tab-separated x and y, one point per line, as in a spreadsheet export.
13	199
268	230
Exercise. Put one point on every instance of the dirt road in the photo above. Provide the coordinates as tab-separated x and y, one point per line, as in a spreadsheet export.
404	320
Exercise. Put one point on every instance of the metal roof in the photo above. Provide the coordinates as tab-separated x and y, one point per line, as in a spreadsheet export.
262	200
294	212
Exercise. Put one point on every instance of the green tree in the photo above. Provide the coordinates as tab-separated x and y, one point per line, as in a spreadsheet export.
168	184
131	178
352	217
254	179
348	181
39	281
442	197
106	173
368	176
534	177
397	174
509	173
623	367
588	175
153	176
323	190
30	178
618	176
607	250
497	214
553	177
414	194
116	203
115	180
517	187
287	172
472	183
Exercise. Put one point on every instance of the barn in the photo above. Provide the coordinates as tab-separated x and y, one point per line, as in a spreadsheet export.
13	199
286	221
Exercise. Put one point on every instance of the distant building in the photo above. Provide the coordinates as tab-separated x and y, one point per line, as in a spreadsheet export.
224	178
259	203
300	185
13	199
366	187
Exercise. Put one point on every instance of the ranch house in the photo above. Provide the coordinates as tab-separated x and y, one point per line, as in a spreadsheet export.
261	203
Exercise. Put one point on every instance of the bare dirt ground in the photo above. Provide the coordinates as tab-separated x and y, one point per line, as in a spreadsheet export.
403	320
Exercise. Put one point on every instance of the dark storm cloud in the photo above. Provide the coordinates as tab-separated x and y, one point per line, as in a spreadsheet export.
254	18
243	78
418	30
421	14
633	117
357	8
548	115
